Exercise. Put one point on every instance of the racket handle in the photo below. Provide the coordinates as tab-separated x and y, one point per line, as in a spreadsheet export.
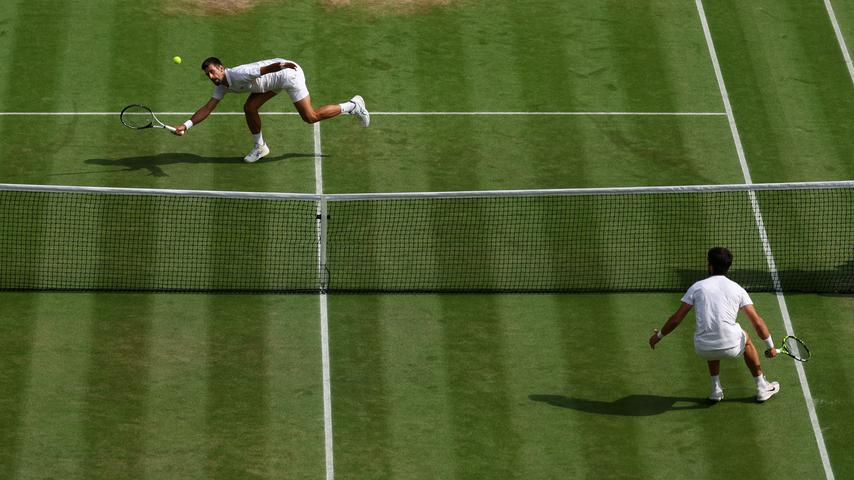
778	351
170	128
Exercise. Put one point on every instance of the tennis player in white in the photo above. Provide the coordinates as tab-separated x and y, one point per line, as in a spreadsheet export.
718	335
264	80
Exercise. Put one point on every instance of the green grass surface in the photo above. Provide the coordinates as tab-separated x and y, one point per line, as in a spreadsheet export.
455	386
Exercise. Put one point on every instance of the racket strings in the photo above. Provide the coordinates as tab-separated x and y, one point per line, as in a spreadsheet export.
797	348
137	116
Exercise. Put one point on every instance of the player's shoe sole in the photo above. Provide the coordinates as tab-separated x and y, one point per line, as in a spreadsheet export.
773	388
361	111
257	153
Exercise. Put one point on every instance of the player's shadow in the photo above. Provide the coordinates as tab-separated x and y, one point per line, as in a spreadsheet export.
630	406
154	163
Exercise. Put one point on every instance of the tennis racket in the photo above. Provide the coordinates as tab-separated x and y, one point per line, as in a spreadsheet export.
139	117
795	348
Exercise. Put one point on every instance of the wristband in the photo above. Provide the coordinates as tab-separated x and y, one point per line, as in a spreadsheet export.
188	124
769	341
659	335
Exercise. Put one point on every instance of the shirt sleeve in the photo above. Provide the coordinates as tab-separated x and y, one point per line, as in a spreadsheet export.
219	92
689	295
246	73
745	299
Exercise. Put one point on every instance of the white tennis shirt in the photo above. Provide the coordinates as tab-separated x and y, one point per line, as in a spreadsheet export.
716	301
248	78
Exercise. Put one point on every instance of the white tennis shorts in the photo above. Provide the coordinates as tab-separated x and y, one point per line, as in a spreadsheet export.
720	354
291	80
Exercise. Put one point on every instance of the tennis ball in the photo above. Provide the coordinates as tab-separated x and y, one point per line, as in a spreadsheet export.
176	59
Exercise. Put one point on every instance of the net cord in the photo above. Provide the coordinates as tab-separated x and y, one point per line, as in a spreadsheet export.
453	194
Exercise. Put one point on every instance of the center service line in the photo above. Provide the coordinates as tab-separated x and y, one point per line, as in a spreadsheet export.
324	310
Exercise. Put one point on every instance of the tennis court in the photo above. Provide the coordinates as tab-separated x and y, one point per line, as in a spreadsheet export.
464	95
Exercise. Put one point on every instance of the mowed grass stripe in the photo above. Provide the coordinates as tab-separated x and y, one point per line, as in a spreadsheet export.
53	420
18	342
534	364
485	443
597	395
546	162
29	43
175	437
295	438
419	422
360	395
17	337
117	387
642	35
237	408
790	121
118	381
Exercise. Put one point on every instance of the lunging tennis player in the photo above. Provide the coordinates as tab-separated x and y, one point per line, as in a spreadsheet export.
264	80
718	335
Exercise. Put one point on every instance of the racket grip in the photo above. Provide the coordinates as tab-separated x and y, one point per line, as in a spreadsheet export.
170	128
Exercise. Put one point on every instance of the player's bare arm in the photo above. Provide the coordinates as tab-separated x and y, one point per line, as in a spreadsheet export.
198	117
761	328
670	324
275	67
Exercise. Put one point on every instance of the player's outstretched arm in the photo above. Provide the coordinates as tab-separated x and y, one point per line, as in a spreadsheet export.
197	117
761	329
670	324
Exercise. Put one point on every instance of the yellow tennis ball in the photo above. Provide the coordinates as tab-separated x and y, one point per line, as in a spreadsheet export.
176	59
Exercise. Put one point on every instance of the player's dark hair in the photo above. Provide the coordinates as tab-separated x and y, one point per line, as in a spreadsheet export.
720	259
211	61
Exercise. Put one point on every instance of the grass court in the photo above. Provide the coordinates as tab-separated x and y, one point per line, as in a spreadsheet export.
156	386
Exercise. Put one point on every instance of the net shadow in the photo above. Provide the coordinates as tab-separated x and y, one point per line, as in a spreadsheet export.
837	280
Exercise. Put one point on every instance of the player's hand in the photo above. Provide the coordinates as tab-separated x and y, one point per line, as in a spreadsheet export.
654	339
284	65
180	130
771	352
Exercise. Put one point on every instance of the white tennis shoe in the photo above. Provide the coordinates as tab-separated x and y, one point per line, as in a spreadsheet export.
258	152
716	395
361	111
767	391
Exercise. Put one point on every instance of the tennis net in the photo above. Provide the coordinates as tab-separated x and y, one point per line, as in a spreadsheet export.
579	240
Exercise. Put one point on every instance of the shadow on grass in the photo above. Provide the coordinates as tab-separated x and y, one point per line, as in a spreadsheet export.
154	163
632	405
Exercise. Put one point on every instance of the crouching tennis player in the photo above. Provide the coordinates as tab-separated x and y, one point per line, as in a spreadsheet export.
264	80
717	336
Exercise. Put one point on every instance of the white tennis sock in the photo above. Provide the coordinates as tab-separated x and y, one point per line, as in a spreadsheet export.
259	138
760	381
347	107
716	381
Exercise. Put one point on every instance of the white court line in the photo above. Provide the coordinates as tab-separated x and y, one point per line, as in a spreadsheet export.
840	39
766	246
545	114
324	310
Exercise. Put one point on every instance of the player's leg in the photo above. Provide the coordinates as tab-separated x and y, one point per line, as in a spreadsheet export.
310	115
764	388
751	358
356	106
717	392
295	84
253	121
